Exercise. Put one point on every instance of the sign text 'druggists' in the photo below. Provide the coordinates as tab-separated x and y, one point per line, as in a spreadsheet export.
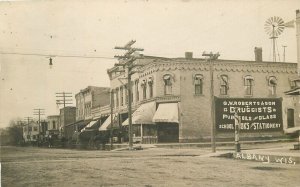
256	114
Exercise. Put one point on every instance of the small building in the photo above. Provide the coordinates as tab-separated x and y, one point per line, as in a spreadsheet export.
31	131
53	125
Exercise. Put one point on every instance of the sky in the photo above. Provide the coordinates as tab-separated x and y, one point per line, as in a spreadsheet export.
93	28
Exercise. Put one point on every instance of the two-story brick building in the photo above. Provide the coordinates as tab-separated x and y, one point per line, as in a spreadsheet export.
89	98
172	97
89	101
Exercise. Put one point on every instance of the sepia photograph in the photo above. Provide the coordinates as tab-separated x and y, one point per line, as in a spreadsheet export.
150	93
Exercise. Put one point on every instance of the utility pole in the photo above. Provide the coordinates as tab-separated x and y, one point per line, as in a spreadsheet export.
284	46
111	118
128	63
28	119
62	100
39	112
211	57
237	125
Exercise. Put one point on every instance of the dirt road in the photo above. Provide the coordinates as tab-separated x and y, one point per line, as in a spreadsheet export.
150	167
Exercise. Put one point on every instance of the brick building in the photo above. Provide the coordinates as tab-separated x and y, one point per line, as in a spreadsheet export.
88	104
67	117
171	96
89	98
294	92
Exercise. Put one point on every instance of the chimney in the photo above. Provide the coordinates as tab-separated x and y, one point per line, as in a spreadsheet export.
188	55
258	54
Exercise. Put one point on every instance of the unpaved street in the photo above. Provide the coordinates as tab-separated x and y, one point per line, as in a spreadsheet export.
149	167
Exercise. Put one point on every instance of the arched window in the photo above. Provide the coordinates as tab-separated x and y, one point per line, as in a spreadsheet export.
136	85
117	97
224	85
126	94
272	82
144	86
150	83
198	82
121	96
167	84
248	83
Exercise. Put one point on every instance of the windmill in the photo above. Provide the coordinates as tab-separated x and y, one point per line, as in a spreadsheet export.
274	26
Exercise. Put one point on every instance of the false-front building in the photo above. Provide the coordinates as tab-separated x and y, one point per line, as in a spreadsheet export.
172	98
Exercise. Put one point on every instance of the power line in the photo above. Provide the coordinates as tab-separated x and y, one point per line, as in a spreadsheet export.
47	55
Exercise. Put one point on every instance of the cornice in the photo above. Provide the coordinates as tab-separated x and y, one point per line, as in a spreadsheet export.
289	68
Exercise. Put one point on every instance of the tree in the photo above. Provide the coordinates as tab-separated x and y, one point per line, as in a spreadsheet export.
13	134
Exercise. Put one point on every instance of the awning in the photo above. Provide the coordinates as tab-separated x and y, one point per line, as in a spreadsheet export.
292	130
106	123
90	125
143	115
295	91
166	112
80	124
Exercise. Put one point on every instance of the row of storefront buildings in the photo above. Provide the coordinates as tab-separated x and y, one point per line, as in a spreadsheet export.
172	101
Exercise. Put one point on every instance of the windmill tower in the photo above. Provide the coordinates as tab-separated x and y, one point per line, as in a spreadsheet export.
274	26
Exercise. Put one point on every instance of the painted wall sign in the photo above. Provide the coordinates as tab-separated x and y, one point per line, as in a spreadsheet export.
256	114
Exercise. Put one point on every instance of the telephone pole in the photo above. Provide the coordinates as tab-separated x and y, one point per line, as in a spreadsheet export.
39	112
62	99
128	63
211	57
28	119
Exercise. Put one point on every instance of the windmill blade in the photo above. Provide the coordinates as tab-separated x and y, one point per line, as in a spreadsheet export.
268	22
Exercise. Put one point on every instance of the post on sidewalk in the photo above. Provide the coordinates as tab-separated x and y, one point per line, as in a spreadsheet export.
237	121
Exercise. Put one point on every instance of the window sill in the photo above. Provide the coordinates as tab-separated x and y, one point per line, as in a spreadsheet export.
224	96
199	95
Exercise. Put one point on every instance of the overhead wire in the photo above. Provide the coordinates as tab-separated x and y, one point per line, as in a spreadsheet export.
54	55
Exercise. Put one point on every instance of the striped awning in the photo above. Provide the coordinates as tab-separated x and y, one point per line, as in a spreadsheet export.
166	112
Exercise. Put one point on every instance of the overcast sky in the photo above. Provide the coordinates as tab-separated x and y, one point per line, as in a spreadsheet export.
93	28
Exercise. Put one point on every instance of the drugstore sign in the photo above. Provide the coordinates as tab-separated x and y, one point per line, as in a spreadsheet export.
256	114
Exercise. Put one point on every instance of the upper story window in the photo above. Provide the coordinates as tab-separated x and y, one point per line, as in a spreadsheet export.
117	97
121	96
35	129
272	82
126	94
167	84
248	83
136	85
224	85
144	86
150	83
198	83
